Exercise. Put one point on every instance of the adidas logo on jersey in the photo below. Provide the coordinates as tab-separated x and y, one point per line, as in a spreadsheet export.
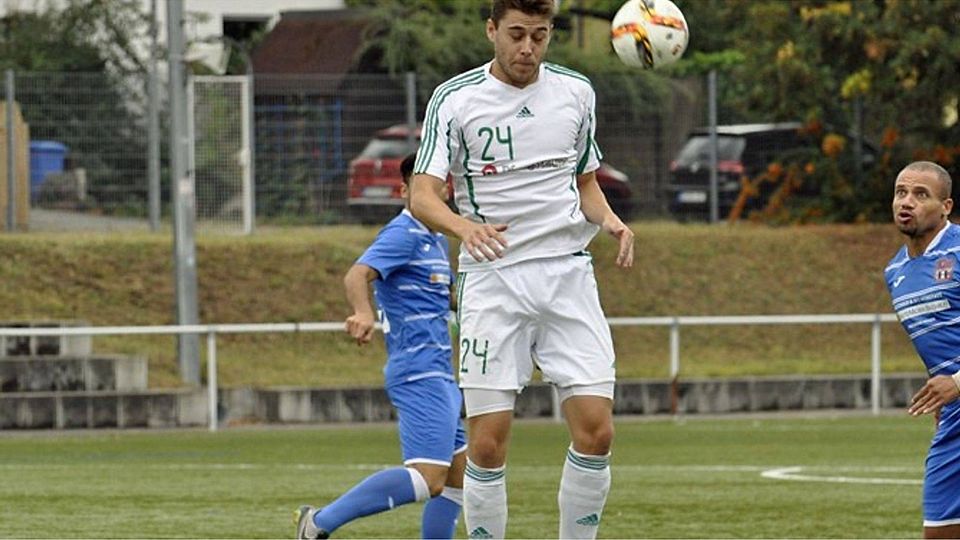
589	521
480	532
524	113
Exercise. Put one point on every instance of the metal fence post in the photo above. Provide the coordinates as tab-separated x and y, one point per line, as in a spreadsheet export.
250	170
674	365
410	86
153	126
182	199
11	155
212	378
714	145
875	380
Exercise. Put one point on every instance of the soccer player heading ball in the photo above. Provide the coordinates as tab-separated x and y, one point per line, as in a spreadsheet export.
517	136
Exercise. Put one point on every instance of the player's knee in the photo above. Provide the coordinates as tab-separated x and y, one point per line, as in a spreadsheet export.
595	441
436	486
487	451
434	476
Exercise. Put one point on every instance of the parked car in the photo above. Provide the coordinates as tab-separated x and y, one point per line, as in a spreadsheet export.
743	150
373	182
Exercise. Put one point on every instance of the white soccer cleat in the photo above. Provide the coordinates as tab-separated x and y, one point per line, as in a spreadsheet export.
306	530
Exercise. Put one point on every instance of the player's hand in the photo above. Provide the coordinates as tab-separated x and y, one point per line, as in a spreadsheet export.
483	241
360	327
624	235
937	392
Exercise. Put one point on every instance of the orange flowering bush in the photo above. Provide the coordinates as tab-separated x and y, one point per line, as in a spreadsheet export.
774	171
890	137
833	145
823	183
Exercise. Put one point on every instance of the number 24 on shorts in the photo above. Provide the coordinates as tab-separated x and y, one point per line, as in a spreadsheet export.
470	347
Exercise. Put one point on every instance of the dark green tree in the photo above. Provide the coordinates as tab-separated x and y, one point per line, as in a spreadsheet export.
440	39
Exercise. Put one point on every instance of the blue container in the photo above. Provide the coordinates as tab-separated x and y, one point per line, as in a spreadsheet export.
46	157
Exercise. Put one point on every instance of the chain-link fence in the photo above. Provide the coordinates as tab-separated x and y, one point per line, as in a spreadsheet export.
322	146
219	125
88	148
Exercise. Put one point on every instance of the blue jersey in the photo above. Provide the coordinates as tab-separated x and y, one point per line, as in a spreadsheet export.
926	296
413	297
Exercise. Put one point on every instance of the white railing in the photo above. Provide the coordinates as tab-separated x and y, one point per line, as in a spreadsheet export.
211	331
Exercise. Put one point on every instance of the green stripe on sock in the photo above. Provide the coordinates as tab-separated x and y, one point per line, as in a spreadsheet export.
585	462
484	475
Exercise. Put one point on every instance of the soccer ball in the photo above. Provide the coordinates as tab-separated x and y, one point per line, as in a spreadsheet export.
649	33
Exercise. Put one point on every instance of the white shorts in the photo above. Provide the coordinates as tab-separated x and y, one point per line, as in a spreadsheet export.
541	313
479	401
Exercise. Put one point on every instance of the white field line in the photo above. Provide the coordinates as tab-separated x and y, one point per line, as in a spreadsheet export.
793	473
358	467
768	471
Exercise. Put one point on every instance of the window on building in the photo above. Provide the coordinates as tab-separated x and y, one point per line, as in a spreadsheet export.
241	29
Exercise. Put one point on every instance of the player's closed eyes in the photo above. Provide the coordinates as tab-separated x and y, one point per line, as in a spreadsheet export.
538	37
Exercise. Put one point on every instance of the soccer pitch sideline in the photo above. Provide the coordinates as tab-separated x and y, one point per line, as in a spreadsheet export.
825	476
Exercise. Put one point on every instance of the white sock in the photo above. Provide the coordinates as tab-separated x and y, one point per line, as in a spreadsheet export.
583	492
421	491
485	501
452	493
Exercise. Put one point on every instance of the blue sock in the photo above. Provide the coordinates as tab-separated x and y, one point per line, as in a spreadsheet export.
378	492
440	516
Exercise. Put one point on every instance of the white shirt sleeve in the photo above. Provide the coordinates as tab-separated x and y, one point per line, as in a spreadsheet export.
439	139
588	152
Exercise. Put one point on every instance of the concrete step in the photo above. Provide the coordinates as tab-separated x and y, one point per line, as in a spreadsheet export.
65	410
45	345
72	373
174	408
695	396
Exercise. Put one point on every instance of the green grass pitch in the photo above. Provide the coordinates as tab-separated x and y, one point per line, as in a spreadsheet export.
822	476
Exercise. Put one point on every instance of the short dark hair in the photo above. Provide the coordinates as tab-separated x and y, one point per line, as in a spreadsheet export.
930	167
531	7
406	167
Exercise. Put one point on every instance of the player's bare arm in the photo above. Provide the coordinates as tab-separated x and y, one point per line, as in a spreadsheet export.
937	392
597	210
357	286
483	241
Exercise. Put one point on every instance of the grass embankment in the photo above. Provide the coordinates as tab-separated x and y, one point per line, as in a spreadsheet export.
295	275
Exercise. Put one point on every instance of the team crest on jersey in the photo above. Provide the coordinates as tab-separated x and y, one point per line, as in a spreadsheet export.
943	269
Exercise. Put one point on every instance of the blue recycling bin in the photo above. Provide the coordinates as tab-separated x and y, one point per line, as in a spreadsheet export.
46	157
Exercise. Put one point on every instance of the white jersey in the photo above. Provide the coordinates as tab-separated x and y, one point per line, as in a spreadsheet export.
514	155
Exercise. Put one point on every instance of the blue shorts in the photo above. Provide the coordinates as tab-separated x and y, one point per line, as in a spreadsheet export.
430	427
941	483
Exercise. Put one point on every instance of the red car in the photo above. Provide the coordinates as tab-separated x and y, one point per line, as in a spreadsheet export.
373	184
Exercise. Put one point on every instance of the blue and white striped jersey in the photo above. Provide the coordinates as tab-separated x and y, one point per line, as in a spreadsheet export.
413	297
926	296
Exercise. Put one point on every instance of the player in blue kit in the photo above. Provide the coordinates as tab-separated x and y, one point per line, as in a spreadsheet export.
410	269
924	283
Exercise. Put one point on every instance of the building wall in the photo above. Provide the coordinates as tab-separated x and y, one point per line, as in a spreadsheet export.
204	17
217	9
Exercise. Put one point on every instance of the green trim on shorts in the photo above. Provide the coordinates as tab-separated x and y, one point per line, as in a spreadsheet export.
461	281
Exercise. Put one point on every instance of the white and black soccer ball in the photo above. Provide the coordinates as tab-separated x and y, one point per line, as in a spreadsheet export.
649	34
